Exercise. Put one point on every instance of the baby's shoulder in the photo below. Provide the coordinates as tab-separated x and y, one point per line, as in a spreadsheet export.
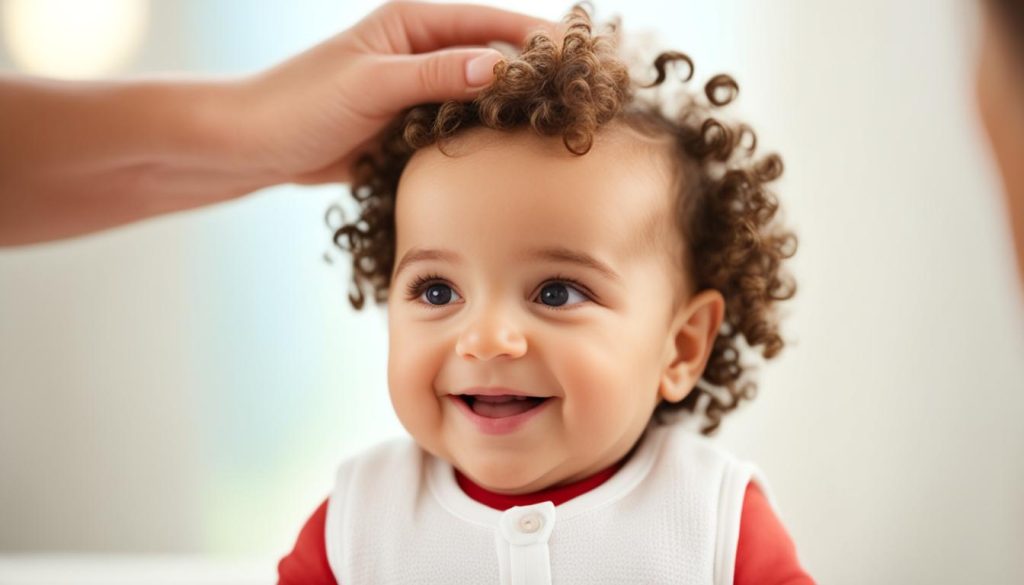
680	442
696	456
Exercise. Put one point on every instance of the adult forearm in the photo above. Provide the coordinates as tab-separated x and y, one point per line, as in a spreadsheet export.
77	157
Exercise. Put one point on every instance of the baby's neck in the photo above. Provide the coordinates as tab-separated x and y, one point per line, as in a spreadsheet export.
556	495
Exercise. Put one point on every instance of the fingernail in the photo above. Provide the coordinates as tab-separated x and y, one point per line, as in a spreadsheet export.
480	70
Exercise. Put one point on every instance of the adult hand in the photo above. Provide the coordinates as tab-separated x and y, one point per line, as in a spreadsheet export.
77	157
307	119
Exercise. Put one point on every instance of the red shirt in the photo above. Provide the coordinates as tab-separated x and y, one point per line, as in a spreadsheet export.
765	554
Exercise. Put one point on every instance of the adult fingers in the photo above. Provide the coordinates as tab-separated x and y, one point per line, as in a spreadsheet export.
405	80
420	27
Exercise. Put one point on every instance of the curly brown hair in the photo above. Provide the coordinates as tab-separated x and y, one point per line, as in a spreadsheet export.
724	211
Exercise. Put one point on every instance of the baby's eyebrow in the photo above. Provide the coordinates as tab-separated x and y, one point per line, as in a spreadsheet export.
563	254
552	254
415	255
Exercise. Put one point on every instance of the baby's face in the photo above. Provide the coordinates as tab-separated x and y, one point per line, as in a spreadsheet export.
483	302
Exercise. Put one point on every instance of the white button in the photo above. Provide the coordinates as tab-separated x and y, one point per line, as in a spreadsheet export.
531	523
527	525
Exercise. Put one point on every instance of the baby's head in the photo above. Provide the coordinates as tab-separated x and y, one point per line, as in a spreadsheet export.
655	228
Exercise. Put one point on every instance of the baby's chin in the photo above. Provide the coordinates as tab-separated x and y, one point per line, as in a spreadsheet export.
504	477
509	488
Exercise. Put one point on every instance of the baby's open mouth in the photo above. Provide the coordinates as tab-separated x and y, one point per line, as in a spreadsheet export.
501	406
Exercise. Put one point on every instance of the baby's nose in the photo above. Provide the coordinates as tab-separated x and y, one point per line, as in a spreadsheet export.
490	337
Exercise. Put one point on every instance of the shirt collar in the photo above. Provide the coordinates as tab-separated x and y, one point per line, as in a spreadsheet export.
557	494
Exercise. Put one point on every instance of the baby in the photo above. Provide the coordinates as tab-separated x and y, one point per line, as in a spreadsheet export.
572	274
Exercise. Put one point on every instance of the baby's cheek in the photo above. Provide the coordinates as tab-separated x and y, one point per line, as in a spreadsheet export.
612	382
411	373
593	378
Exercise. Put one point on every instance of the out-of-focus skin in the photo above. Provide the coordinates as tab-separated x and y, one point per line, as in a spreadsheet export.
1000	94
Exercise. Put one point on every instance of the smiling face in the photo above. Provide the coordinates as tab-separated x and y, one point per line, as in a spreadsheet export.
532	330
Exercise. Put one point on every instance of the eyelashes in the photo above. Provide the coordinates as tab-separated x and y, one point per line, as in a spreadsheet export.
419	284
416	287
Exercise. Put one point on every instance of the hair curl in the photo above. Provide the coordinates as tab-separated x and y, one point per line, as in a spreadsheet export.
725	214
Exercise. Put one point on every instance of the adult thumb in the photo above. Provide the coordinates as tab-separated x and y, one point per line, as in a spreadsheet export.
438	76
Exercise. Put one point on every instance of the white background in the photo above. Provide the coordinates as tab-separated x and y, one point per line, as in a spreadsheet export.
187	384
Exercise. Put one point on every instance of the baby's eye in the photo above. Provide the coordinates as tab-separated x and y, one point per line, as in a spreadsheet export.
439	294
558	294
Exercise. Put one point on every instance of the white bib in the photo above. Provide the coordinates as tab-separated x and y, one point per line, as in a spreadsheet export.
671	514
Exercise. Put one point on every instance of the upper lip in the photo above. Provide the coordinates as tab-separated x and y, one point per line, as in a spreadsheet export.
493	391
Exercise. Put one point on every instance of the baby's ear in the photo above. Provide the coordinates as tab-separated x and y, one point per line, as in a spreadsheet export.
691	339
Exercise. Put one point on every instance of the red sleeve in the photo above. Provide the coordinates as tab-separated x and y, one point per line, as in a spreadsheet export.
765	554
307	563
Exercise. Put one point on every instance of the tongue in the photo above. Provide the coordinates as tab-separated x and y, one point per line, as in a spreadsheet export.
502	406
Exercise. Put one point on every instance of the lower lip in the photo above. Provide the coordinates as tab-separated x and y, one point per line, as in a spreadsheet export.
498	426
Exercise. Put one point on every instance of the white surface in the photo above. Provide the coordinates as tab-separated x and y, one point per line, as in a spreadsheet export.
133	570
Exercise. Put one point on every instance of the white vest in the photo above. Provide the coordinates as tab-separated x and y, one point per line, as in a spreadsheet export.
671	514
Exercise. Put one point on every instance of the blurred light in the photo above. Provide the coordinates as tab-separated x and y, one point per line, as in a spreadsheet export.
73	38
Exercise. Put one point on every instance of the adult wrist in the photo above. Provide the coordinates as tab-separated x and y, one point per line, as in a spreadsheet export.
196	127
